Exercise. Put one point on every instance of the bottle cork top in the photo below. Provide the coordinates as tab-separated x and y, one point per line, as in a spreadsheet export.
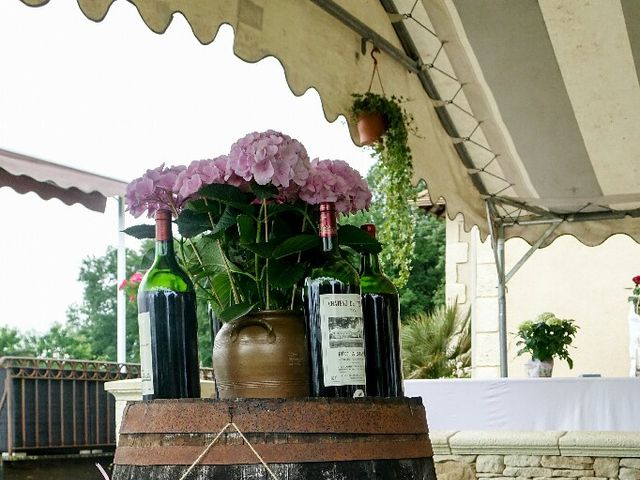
327	206
163	225
370	228
163	215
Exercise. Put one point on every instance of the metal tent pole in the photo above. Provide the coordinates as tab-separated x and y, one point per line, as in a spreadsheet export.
502	302
121	328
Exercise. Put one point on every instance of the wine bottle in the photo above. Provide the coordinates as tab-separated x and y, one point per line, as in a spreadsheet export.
167	323
380	308
333	307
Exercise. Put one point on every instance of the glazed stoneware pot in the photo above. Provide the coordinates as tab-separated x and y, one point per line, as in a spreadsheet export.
262	355
370	128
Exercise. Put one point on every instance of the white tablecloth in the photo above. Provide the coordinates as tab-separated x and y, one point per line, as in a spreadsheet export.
563	404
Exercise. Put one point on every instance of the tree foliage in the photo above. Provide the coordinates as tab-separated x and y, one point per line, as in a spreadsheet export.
424	288
14	343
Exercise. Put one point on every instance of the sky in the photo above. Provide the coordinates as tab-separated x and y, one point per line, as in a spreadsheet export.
114	98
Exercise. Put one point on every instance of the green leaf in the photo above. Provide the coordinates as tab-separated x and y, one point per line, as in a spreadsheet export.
212	257
284	275
191	223
141	231
296	244
221	285
264	192
264	249
246	229
351	236
236	311
202	206
228	218
228	195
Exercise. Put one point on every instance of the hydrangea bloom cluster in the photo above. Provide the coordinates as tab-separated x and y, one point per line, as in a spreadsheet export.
262	157
204	172
335	181
270	157
153	191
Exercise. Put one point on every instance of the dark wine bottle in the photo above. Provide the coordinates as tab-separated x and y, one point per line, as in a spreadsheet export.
381	311
333	307
167	322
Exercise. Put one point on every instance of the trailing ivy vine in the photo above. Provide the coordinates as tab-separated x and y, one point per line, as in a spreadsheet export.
392	176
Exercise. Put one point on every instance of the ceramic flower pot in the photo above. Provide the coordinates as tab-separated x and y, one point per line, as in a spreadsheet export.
262	355
539	369
371	127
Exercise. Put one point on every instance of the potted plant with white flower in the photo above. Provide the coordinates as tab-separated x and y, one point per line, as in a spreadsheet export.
545	338
248	233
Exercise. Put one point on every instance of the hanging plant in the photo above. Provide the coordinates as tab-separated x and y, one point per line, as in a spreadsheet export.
392	174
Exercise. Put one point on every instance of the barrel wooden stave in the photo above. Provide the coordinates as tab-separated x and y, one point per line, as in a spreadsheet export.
412	469
328	439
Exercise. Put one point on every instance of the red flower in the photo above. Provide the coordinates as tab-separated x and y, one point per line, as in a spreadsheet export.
123	285
636	279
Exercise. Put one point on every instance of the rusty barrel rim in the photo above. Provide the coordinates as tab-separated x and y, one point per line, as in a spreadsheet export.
175	432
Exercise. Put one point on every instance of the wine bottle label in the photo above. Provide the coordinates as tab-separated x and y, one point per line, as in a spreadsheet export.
146	367
342	339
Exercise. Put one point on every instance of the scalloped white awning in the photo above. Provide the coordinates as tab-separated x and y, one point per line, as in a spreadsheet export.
50	180
532	105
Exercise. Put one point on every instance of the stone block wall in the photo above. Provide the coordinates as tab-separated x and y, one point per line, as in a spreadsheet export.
471	281
538	467
509	455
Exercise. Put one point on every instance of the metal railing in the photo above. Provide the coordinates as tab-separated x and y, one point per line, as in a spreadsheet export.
52	404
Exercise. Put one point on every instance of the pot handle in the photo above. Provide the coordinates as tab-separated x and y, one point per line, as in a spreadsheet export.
249	322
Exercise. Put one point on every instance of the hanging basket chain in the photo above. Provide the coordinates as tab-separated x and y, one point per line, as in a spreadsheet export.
376	71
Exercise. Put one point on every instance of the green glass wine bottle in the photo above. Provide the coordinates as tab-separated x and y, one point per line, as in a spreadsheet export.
167	323
381	310
333	307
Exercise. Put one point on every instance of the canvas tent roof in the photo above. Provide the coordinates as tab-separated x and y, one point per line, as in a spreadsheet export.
529	105
50	180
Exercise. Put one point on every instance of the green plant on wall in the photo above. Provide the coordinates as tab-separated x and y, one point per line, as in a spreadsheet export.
392	176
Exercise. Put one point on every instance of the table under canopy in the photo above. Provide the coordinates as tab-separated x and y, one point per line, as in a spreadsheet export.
561	404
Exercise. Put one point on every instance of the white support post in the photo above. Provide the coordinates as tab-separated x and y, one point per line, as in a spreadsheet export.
502	302
121	328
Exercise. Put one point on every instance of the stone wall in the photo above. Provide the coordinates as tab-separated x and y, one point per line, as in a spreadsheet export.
536	455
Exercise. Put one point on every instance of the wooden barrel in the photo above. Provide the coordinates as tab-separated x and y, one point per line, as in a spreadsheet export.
319	438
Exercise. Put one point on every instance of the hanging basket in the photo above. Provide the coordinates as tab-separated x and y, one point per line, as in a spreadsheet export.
371	127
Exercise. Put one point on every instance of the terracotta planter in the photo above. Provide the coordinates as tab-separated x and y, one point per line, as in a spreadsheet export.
371	127
539	369
262	355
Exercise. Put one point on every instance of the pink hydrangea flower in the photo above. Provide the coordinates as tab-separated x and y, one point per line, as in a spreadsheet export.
269	157
336	181
198	174
153	191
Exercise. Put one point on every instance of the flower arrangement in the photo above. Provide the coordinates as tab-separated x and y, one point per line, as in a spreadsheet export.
547	337
130	286
248	220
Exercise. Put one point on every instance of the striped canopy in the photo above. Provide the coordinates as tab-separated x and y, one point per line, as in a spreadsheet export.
526	111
